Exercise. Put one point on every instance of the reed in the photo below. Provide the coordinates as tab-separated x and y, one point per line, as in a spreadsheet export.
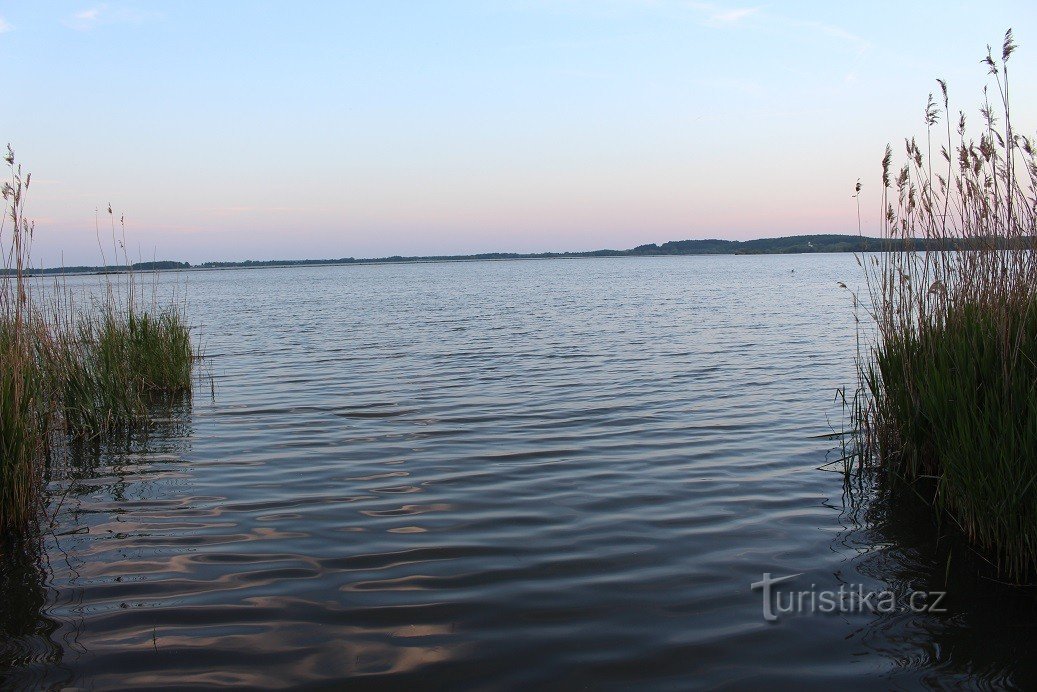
72	370
25	412
115	360
947	402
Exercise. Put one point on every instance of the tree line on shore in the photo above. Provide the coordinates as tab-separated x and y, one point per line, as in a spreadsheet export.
787	245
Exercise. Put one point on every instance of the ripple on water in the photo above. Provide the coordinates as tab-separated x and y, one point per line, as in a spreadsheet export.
483	474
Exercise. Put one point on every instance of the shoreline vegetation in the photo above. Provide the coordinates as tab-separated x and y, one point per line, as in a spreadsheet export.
786	245
946	409
74	367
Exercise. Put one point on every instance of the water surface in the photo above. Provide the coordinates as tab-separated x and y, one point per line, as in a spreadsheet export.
496	475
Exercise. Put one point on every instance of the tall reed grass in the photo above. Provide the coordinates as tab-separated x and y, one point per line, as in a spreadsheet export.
947	403
73	369
25	412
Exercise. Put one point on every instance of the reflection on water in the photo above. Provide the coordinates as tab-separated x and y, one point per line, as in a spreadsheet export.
26	631
90	488
989	631
494	475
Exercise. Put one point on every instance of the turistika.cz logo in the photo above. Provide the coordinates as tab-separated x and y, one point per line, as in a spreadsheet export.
847	599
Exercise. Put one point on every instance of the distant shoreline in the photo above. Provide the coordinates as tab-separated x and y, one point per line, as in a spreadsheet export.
786	245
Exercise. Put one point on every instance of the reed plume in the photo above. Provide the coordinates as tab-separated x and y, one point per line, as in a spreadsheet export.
71	368
948	385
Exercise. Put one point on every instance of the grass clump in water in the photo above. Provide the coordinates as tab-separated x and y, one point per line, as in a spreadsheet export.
116	360
948	404
69	372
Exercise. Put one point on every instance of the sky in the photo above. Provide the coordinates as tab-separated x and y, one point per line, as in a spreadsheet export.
259	130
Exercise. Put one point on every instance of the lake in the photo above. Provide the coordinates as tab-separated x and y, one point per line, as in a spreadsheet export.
500	475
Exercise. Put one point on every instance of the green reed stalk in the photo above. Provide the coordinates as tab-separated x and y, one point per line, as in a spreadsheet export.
948	387
65	370
25	411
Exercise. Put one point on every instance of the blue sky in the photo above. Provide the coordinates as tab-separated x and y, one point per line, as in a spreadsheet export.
233	130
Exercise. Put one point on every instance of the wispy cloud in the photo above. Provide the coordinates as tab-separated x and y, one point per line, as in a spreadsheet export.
4	26
716	14
826	30
712	14
91	17
734	15
87	19
236	210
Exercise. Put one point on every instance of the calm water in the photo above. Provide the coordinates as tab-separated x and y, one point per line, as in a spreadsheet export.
498	475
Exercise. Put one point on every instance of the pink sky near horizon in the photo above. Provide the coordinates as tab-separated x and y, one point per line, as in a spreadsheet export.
236	131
